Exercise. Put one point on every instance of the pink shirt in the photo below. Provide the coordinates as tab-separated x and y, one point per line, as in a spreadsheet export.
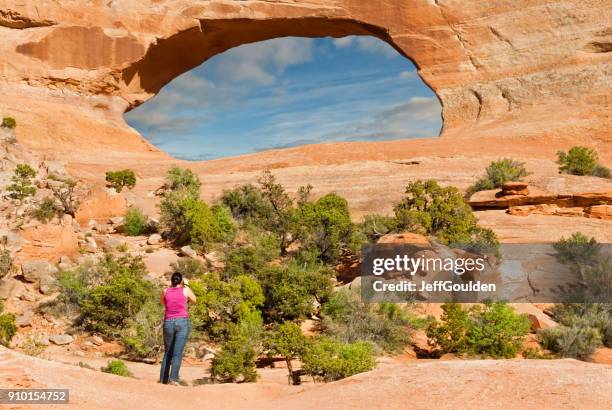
176	303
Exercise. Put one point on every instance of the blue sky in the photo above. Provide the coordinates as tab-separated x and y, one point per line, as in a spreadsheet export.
287	92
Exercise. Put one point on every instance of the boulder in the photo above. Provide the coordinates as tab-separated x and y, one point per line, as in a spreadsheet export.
24	319
112	243
62	339
214	260
101	204
48	241
189	252
47	284
33	271
97	340
154	239
514	188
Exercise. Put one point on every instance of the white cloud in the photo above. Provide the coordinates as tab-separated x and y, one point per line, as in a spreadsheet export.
368	44
408	75
260	62
343	41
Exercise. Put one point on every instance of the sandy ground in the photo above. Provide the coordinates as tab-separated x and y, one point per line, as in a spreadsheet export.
395	384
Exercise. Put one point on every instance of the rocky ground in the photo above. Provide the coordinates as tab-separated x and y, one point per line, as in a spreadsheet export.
399	384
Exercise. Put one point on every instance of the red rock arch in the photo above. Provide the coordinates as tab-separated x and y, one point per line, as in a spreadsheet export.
499	68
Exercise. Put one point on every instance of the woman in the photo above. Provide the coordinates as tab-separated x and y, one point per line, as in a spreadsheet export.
176	327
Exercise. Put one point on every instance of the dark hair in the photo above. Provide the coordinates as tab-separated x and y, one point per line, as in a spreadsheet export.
176	279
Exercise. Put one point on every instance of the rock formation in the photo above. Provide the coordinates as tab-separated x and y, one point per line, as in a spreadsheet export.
69	71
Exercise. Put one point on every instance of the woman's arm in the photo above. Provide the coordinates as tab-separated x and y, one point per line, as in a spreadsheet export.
162	298
189	294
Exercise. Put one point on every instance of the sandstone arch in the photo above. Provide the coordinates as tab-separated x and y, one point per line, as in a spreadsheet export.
525	67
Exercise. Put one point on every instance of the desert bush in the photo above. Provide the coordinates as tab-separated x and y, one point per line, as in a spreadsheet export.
429	208
190	268
247	203
286	340
116	367
576	342
236	360
188	220
324	225
578	248
257	248
221	304
291	291
492	329
498	173
64	191
33	346
143	332
9	122
135	222
578	160
8	328
46	210
22	187
374	226
6	263
112	290
583	328
601	171
347	319
330	360
121	179
179	179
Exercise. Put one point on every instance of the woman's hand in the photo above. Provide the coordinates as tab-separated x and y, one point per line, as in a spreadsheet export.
185	282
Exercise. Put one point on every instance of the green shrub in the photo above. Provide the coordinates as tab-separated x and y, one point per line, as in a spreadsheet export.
493	329
236	360
498	173
374	226
135	222
117	367
188	220
496	330
347	319
291	291
6	263
179	179
65	194
247	203
578	248
116	291
325	226
583	328
221	304
8	329
601	171
576	342
121	179
578	160
46	210
258	249
22	187
190	268
330	360
9	122
143	332
429	208
286	340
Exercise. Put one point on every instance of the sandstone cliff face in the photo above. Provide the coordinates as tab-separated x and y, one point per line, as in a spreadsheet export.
69	69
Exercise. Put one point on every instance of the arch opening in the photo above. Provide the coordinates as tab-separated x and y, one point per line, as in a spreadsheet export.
289	91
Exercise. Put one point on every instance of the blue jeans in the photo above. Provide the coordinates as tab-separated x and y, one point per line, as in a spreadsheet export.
176	332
